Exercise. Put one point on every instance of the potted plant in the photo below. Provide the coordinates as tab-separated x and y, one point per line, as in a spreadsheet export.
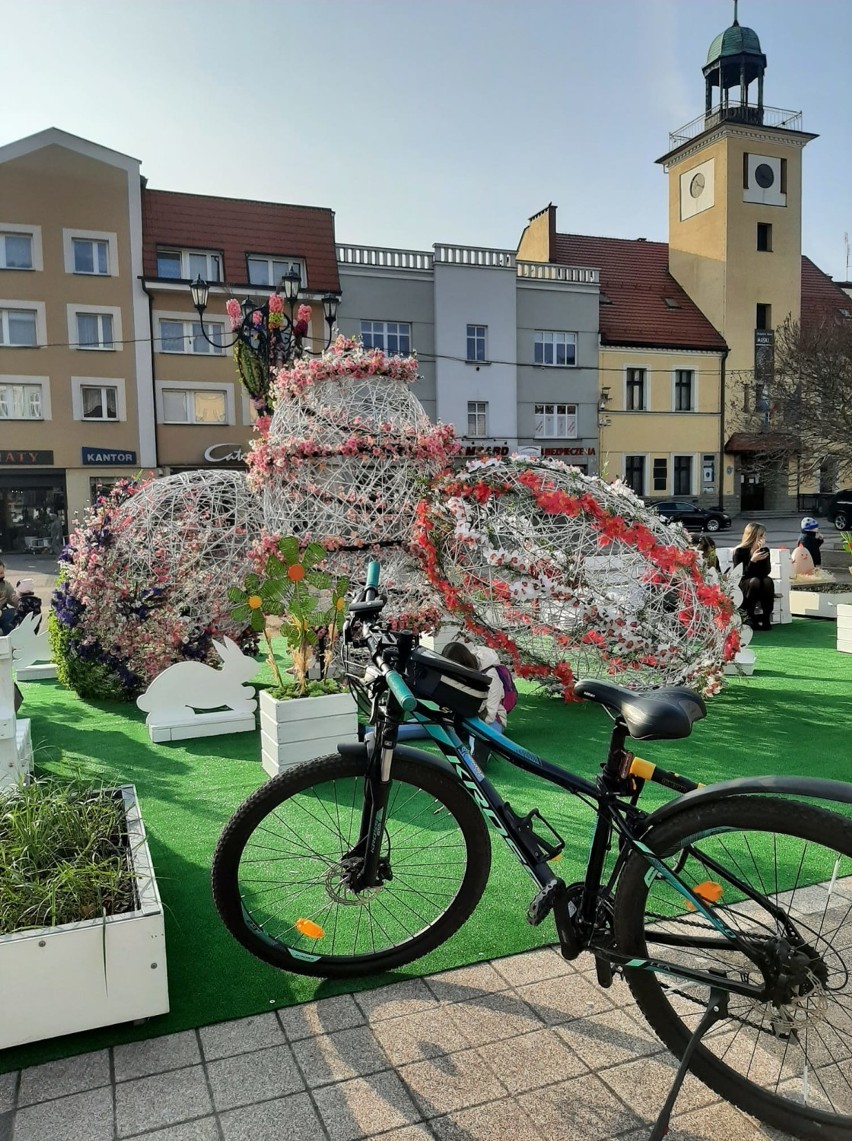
82	942
310	606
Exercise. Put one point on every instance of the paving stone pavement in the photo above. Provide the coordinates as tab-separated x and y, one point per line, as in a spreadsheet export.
526	1048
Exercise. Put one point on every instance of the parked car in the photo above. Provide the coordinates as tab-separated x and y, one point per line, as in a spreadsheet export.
839	509
693	517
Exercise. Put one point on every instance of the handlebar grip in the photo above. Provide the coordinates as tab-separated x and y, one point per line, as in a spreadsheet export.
372	575
396	684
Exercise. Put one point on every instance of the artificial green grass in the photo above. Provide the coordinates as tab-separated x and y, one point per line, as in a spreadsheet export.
791	717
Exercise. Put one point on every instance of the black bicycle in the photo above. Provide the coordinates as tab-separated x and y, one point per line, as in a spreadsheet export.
728	910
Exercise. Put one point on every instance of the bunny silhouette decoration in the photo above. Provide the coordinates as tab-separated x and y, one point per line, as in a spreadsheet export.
28	645
182	689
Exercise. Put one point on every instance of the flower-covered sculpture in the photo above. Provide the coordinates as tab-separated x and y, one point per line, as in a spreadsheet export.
344	461
145	581
569	576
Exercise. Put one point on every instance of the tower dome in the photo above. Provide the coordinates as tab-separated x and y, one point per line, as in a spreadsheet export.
734	61
734	41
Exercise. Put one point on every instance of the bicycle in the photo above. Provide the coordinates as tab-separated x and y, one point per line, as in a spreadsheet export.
727	910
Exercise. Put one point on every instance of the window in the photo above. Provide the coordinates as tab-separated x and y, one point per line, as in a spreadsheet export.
90	256
269	271
764	237
186	265
555	349
194	406
99	402
477	418
476	342
21	402
635	390
94	331
556	420
16	251
188	337
390	336
763	316
634	473
682	475
661	474
18	327
683	390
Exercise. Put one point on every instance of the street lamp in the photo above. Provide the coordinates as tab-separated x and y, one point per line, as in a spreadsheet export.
266	336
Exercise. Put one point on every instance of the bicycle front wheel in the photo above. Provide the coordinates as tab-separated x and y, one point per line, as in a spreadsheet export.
779	874
283	868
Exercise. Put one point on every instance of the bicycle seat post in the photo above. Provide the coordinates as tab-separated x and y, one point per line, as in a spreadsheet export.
613	775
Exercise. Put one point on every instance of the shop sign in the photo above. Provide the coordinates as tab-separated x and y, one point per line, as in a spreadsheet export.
25	457
225	454
94	456
505	450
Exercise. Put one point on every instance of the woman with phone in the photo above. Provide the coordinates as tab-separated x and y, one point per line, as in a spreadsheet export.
757	585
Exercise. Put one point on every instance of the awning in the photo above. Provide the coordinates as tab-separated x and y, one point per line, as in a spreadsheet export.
744	443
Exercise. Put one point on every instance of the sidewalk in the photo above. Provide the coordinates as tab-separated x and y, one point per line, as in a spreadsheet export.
527	1048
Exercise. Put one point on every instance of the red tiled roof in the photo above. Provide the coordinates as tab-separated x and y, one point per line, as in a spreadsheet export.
635	278
237	226
822	298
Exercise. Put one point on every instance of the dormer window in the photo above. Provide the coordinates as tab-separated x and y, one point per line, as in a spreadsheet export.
269	270
186	265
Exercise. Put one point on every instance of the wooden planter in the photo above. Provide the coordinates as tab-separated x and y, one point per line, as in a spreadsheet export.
99	972
304	728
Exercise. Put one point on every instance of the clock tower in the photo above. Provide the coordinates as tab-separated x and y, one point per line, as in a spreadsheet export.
735	201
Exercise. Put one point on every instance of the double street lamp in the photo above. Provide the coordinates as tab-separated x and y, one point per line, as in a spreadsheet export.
266	336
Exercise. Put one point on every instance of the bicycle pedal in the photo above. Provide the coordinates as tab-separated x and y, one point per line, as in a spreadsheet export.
603	969
542	904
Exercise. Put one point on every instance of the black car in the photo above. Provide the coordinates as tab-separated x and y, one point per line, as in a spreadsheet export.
693	517
839	509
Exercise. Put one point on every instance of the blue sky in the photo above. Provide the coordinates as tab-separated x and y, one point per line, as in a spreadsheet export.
420	121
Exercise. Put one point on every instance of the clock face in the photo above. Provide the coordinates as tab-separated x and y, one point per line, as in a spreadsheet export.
764	176
697	185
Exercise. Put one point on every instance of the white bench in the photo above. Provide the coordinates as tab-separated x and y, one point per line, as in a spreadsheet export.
16	750
779	566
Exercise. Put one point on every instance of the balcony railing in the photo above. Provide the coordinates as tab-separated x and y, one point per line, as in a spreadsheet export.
378	257
734	112
546	271
474	256
381	258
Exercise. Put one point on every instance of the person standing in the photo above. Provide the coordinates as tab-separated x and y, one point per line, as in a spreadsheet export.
56	534
811	539
756	583
484	659
8	604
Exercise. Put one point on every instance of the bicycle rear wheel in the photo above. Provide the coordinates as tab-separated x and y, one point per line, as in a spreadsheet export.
283	866
788	1060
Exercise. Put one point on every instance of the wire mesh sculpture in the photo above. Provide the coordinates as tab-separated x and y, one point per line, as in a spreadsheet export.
569	576
344	461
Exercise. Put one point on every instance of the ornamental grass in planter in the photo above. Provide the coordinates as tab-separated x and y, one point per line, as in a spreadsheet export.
310	606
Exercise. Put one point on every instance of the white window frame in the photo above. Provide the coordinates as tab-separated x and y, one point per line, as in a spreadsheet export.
692	457
646	390
647	469
111	239
694	390
113	311
42	382
477	408
36	307
553	416
188	320
548	336
196	386
78	383
34	233
270	259
185	255
384	324
473	332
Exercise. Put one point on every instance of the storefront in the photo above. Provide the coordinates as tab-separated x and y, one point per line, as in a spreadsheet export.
574	455
32	500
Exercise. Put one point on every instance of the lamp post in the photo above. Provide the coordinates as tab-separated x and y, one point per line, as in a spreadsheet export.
266	336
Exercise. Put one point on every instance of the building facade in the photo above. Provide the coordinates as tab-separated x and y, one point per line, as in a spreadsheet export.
507	348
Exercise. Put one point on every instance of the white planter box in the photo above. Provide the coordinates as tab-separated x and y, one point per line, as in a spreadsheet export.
60	980
817	603
438	642
844	628
306	727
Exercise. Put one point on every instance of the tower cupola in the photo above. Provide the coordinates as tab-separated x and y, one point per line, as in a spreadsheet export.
734	61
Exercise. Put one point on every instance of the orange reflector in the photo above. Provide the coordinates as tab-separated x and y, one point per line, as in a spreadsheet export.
708	892
308	928
553	859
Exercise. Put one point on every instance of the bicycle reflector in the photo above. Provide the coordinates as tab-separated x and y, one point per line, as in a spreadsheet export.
309	929
707	892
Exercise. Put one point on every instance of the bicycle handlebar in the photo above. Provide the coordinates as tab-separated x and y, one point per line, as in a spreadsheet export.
399	688
372	576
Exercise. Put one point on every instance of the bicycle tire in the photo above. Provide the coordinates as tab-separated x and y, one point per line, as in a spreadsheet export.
268	811
825	840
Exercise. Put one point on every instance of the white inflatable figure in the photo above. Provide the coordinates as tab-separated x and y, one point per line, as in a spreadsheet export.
30	645
802	564
174	697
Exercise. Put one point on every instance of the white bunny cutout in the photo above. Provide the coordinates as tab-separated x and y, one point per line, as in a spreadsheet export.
180	690
29	646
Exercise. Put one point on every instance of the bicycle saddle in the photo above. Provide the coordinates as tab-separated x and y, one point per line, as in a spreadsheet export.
656	715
